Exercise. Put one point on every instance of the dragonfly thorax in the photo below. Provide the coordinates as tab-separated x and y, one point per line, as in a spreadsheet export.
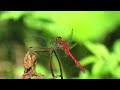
53	44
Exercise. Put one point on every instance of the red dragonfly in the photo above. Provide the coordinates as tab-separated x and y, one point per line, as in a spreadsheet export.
59	43
65	46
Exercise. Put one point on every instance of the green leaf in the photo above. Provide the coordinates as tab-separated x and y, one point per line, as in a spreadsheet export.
98	68
116	72
97	49
88	60
112	62
116	47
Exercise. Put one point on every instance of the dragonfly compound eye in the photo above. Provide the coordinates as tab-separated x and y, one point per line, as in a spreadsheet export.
58	37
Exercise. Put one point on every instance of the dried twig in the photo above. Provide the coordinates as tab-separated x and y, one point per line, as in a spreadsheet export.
30	67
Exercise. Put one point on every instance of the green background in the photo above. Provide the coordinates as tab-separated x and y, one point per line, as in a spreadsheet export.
97	34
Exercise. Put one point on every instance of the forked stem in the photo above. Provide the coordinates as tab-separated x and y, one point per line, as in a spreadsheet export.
53	51
59	63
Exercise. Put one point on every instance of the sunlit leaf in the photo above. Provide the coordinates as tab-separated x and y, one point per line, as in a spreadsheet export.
116	72
116	47
97	49
98	68
88	60
112	62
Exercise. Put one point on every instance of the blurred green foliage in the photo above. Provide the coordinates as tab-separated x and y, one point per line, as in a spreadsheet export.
96	32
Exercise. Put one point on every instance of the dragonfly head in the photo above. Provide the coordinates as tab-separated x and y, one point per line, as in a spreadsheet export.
58	38
59	41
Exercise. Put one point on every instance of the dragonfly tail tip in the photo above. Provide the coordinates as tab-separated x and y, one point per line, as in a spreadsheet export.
83	71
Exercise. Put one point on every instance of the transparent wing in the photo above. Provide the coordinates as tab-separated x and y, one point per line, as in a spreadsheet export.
73	45
69	39
35	39
40	46
37	43
63	54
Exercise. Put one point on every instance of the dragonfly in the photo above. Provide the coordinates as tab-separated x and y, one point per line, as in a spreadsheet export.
60	44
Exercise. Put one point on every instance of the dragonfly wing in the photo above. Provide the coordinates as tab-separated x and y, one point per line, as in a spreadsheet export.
35	43
32	38
63	54
73	45
69	39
